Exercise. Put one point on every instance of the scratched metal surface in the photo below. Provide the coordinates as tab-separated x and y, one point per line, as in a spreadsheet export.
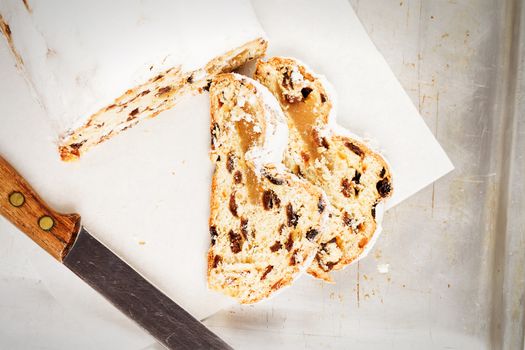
455	251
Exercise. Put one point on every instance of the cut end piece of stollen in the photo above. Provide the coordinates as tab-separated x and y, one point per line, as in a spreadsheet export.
265	222
147	100
102	66
355	178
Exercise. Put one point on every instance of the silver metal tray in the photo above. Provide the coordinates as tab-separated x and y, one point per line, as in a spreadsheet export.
456	250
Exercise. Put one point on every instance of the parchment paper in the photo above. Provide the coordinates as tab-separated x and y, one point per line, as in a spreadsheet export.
145	193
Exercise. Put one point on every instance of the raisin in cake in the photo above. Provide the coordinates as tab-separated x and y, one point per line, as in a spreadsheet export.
100	67
264	220
355	178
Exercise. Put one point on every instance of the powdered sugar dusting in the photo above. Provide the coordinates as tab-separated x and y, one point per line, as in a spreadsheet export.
276	136
296	76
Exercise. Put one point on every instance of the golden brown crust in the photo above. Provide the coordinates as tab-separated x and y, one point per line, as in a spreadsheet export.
316	272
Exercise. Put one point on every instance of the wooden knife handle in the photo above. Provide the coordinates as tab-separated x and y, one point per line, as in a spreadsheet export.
21	205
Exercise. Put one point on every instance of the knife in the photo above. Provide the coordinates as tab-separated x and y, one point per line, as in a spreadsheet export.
63	236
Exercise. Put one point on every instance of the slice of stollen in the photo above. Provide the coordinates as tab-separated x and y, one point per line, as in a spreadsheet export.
264	220
355	178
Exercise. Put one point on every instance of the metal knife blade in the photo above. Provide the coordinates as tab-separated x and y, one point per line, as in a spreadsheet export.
138	299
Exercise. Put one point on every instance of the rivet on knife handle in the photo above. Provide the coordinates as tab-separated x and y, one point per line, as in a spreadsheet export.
20	204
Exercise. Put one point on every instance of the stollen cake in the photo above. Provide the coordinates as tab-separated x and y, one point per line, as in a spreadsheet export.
264	220
99	67
355	178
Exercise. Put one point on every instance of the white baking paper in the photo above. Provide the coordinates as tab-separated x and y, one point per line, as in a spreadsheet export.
145	193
